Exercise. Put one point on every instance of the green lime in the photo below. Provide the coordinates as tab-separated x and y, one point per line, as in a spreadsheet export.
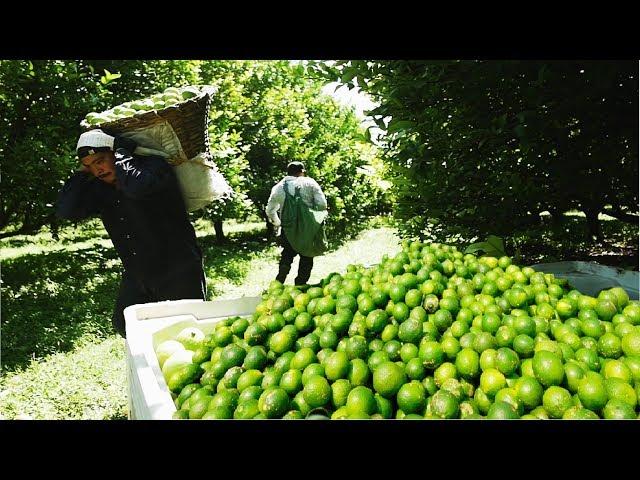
502	411
388	378
573	373
274	402
488	359
620	390
609	346
311	370
444	405
409	351
337	366
377	358
415	370
443	372
618	410
507	361
468	363
361	399
339	392
410	331
411	397
376	320
431	354
630	343
548	368
491	381
359	373
592	391
556	400
529	391
317	391
247	379
246	410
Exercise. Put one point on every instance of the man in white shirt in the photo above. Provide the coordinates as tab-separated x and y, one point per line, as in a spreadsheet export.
312	195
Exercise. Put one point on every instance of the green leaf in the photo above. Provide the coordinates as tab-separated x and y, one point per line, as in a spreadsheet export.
496	242
348	75
399	125
109	77
493	247
476	247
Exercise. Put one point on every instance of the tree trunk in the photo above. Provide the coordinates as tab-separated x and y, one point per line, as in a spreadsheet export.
25	229
217	226
593	225
4	217
54	224
556	215
622	216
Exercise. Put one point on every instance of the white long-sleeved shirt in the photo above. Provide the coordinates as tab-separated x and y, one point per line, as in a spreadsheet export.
310	192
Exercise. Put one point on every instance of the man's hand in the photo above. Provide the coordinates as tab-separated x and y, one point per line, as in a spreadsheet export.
124	143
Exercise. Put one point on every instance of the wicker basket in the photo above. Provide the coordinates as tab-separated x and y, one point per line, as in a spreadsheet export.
188	119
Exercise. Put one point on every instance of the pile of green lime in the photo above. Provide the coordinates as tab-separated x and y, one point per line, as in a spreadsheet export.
430	333
159	101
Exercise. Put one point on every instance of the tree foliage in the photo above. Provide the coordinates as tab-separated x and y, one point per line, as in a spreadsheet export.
35	150
483	147
43	102
265	114
270	113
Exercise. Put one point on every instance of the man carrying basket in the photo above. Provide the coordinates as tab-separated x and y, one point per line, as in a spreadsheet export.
141	206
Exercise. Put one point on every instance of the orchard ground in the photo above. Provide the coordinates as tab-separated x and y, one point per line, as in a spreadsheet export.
60	359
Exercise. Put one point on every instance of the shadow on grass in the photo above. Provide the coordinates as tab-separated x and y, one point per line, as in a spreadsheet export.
50	300
117	416
67	235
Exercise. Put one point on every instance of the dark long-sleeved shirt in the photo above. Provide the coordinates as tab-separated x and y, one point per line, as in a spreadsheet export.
145	215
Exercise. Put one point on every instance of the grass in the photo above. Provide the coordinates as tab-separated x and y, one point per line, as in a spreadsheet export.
88	383
59	356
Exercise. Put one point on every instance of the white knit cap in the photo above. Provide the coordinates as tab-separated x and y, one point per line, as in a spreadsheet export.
95	138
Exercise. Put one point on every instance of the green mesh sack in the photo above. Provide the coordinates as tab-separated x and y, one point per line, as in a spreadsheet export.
303	226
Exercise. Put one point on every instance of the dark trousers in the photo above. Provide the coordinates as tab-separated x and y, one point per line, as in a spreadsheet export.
288	254
180	283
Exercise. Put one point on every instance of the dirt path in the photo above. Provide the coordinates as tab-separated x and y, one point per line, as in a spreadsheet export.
367	249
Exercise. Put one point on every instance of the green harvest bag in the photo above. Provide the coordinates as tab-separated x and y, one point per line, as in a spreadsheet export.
303	226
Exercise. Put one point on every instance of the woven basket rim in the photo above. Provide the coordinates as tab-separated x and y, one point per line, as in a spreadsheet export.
190	127
152	116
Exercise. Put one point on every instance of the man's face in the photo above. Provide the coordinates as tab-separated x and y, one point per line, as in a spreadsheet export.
101	165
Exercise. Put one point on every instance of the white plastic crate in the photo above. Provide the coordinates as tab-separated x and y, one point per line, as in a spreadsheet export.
591	277
150	324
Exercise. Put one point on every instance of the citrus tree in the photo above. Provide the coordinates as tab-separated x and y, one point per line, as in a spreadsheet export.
37	142
264	114
43	102
481	147
267	114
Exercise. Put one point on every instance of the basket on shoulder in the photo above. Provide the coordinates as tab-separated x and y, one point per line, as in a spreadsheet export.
172	124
